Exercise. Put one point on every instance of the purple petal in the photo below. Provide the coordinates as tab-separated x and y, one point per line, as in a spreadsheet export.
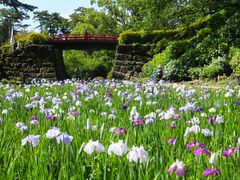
180	172
228	152
208	172
172	168
199	152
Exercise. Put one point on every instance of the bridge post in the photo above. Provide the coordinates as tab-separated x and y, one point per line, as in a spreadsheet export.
61	72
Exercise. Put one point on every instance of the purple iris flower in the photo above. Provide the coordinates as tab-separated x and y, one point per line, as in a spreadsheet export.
215	119
64	137
229	152
120	131
195	144
200	151
172	141
208	172
212	120
33	117
198	109
173	126
205	91
138	122
178	167
108	93
51	117
123	107
75	113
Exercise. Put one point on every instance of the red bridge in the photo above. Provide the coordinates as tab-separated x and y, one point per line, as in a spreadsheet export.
85	41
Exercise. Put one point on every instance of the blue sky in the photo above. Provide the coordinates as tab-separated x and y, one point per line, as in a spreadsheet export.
64	7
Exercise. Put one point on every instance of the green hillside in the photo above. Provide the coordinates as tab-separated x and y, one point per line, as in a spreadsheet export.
203	49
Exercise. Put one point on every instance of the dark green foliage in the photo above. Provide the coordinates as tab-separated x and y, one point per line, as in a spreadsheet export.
160	46
231	30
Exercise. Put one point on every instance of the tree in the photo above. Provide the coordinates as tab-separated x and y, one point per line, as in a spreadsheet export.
160	14
17	5
52	22
84	19
12	15
125	12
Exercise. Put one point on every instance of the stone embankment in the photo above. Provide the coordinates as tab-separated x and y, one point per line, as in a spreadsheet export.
130	60
34	61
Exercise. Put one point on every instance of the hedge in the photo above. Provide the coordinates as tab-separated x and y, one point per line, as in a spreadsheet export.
213	22
32	38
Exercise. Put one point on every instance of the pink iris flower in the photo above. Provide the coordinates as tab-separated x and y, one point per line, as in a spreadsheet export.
195	144
200	151
229	152
208	172
179	167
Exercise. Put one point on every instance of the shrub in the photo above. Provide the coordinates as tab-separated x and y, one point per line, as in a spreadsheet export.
159	59
212	71
5	47
160	46
33	38
200	35
130	37
178	48
171	53
195	73
235	60
224	63
158	35
175	71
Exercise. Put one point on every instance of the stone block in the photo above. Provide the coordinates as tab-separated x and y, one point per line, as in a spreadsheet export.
116	68
118	75
47	64
118	62
137	68
49	75
47	70
124	69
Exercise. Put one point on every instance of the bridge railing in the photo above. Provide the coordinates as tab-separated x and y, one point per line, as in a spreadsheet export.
85	37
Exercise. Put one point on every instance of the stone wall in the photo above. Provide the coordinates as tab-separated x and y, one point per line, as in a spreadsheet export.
130	60
35	61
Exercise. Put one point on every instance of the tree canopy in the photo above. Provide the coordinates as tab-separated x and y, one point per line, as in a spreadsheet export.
53	23
12	14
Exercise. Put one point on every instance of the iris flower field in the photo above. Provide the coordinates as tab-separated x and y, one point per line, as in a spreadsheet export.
118	130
